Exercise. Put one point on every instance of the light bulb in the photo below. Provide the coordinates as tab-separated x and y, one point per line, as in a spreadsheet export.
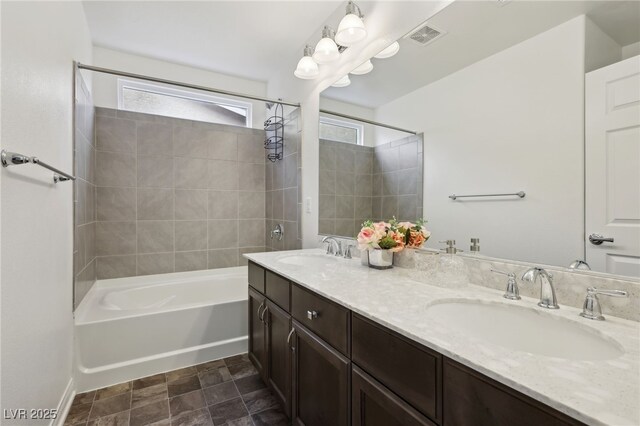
343	82
350	31
363	69
307	69
389	51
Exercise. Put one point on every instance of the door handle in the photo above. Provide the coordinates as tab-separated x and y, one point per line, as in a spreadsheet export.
597	239
293	330
259	308
264	311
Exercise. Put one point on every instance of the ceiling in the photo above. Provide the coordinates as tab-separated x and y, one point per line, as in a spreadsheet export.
476	30
241	38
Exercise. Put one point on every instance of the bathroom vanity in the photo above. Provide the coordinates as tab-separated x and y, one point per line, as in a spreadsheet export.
333	363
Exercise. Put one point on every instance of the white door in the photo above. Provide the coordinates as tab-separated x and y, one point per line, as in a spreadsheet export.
612	162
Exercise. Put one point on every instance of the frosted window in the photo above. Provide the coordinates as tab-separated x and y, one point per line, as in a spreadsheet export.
339	133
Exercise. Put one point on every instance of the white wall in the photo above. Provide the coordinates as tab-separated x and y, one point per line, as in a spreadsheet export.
511	122
631	50
105	85
600	49
39	42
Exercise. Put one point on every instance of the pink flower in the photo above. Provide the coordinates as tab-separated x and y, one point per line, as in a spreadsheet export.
367	238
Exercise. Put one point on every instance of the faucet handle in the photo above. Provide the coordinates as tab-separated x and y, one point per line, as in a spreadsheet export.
512	292
591	308
347	251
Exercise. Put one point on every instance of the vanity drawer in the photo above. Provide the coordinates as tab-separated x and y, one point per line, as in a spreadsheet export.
256	277
327	319
278	289
408	369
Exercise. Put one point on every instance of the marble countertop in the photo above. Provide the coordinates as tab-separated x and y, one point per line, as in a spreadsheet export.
594	392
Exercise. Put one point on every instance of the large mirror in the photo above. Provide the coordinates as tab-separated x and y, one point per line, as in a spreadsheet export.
529	117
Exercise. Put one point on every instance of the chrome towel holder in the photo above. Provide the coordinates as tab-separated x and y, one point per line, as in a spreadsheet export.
13	158
520	194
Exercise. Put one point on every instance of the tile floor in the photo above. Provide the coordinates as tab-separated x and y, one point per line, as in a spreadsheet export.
223	392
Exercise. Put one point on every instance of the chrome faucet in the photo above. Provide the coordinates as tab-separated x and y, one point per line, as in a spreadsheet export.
547	292
512	292
334	246
591	308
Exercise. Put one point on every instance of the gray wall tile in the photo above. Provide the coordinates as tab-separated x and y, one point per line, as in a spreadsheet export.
155	172
155	204
327	206
191	173
291	204
116	204
190	260
223	175
190	142
116	135
251	148
116	266
223	234
345	207
191	204
155	236
158	263
345	183
223	204
115	238
251	177
115	169
222	145
154	139
251	205
251	233
225	258
191	235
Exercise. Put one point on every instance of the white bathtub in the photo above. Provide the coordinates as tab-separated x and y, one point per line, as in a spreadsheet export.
128	328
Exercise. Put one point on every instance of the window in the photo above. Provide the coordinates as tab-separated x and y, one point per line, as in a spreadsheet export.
190	105
341	131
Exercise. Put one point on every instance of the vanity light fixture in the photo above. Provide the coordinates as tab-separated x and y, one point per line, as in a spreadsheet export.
351	29
363	69
326	50
343	82
307	69
389	51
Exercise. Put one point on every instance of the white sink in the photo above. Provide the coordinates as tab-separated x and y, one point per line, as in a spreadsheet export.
308	259
524	329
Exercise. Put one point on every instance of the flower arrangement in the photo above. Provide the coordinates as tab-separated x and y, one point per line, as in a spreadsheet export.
393	235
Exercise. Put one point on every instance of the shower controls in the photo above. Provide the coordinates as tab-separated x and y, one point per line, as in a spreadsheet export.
278	232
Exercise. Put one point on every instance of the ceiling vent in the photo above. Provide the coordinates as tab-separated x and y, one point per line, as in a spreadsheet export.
425	35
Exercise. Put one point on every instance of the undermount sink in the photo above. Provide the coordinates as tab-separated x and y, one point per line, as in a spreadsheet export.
524	329
309	259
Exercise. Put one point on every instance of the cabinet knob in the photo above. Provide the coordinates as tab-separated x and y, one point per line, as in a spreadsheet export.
312	315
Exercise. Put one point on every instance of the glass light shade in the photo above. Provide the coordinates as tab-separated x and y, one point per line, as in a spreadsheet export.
343	82
363	69
326	51
389	51
307	69
350	31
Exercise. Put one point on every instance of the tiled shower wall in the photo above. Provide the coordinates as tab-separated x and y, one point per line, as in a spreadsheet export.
283	202
84	200
346	176
358	183
176	195
397	179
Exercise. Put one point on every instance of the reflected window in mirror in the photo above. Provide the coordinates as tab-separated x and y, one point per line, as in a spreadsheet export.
341	131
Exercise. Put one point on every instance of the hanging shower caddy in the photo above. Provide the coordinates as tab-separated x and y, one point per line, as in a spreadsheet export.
274	126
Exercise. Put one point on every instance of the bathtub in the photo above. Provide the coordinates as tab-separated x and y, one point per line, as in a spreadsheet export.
128	328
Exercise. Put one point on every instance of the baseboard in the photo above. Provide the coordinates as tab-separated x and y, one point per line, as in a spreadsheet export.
65	404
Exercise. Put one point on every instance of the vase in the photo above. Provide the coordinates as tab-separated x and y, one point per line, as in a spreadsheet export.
380	259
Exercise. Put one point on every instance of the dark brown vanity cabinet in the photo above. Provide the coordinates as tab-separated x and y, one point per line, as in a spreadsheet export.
257	332
321	377
279	354
375	405
329	366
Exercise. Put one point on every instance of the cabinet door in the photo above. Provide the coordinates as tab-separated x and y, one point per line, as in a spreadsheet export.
375	405
321	381
472	399
257	332
279	354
